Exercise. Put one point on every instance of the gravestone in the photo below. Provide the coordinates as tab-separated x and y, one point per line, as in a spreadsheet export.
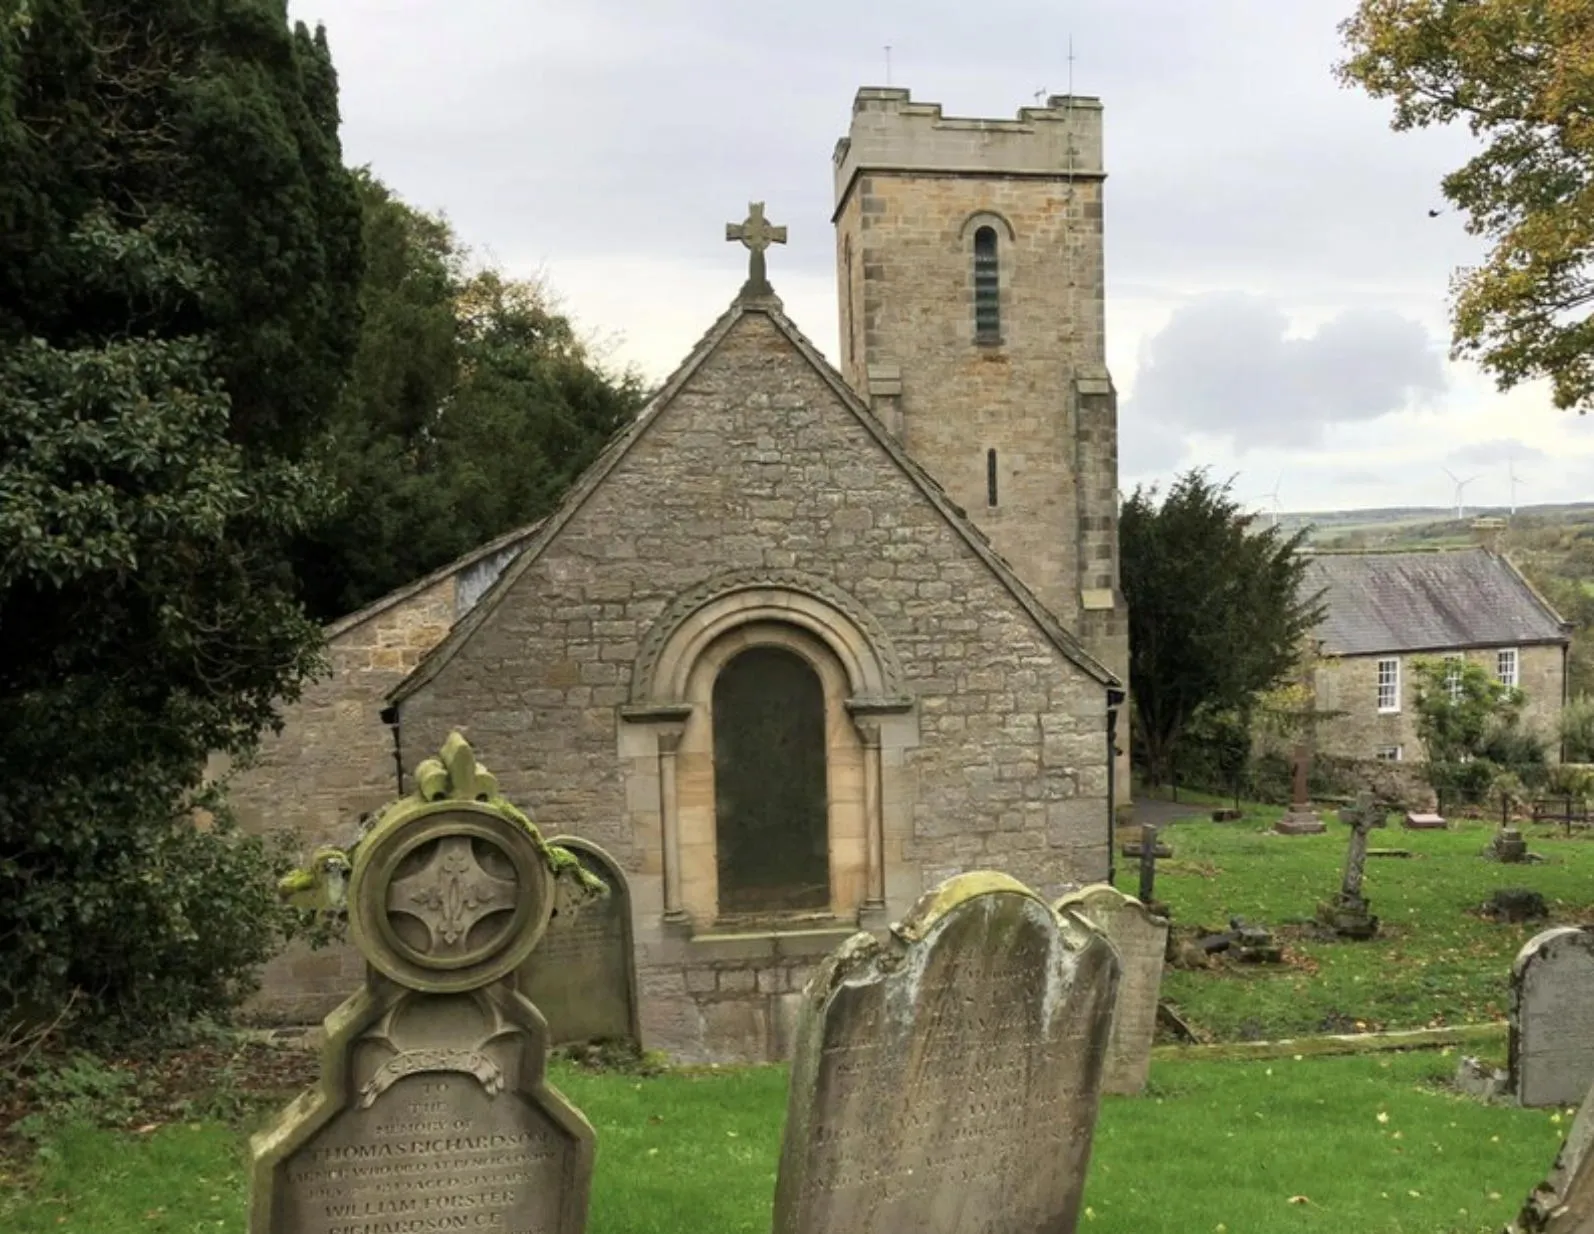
582	976
1300	819
1141	939
1552	1009
1564	1202
1149	852
432	1111
946	1080
1348	913
1415	820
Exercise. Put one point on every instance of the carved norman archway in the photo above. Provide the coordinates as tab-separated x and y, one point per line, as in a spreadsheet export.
667	741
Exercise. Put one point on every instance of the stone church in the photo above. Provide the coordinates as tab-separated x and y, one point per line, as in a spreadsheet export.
801	643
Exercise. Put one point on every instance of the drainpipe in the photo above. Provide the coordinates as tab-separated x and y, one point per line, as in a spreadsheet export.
390	717
1115	700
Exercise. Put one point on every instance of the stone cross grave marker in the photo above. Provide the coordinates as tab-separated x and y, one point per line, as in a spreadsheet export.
432	1111
757	233
582	976
1564	1202
1552	1007
1348	912
1140	938
1300	819
1148	870
946	1081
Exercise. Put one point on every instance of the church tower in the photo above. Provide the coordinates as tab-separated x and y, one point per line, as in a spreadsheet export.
971	281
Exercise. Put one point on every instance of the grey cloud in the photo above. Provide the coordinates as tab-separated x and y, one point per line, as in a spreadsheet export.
1224	366
1497	450
615	127
1146	450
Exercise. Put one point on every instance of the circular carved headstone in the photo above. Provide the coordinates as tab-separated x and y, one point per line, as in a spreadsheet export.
449	897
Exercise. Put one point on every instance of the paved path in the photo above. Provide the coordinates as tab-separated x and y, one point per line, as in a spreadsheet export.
1160	813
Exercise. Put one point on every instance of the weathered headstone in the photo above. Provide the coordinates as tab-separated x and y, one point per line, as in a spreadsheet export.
1141	939
1564	1202
946	1080
1348	913
1552	1007
432	1111
1300	819
582	976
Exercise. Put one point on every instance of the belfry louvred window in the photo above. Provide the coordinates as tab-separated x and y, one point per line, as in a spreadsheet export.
987	287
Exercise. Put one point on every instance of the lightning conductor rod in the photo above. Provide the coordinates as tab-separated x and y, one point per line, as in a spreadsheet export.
888	64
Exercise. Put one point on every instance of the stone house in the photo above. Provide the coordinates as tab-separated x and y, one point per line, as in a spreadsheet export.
802	642
1385	610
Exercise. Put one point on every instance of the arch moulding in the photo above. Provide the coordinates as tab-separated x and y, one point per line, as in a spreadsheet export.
665	727
697	618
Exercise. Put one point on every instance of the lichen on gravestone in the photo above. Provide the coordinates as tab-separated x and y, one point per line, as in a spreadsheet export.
432	1106
320	886
946	1080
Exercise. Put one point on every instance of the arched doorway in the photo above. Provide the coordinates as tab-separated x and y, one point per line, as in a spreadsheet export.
771	796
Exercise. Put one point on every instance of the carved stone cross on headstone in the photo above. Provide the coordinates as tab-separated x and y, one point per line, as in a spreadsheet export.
757	233
450	895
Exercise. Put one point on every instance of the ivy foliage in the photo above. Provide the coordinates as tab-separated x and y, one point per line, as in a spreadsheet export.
179	267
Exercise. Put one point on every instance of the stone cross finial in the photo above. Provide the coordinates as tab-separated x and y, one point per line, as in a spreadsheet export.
757	233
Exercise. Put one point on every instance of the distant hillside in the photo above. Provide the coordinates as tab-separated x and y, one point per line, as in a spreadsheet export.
1422	526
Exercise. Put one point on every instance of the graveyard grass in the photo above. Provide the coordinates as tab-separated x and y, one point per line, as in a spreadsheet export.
1436	961
1374	1144
1371	1143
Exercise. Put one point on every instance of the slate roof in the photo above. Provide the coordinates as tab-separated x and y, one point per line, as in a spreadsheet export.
1433	601
504	543
617	448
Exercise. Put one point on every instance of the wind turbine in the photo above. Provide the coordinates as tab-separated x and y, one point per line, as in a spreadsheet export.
1461	490
1511	471
1273	497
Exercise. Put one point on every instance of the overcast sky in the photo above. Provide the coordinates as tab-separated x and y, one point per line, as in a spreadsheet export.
1276	288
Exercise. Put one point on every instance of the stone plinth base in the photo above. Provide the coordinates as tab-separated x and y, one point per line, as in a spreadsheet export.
1509	846
1478	1079
1300	823
1348	916
1254	945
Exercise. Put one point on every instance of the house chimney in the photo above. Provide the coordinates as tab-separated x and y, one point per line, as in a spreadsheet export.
1488	532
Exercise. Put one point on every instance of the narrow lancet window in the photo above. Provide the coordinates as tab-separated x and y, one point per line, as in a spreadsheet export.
990	477
987	288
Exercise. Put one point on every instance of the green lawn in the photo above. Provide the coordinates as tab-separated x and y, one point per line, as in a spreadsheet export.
1370	1144
1434	964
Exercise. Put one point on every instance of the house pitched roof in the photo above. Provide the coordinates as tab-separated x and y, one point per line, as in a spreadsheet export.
616	450
1427	601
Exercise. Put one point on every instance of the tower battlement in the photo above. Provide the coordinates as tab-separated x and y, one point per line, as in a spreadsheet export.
892	133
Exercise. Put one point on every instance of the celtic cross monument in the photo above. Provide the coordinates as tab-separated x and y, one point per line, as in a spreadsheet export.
432	1111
